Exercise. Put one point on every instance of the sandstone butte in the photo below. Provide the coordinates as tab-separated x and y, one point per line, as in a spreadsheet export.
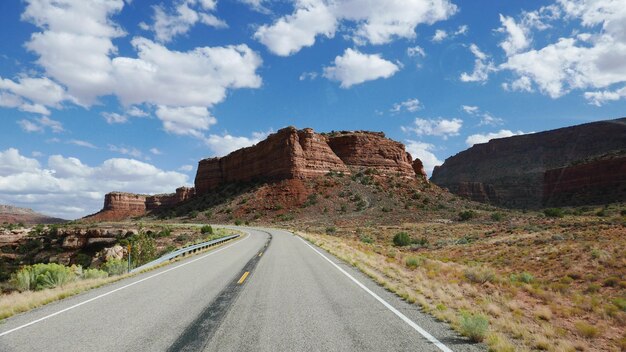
566	166
287	154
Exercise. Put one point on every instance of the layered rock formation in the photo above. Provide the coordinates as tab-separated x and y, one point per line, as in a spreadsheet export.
297	154
121	205
594	182
363	149
14	215
510	171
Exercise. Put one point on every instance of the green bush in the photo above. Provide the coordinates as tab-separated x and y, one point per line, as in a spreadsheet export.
467	215
238	222
402	239
94	274
366	238
524	277
143	249
414	262
553	212
331	230
206	229
115	267
42	276
474	326
497	216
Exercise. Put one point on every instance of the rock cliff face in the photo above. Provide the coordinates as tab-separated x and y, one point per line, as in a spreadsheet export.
14	215
298	154
120	205
510	171
372	150
594	182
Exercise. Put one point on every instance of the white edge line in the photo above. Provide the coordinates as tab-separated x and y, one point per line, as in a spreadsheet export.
118	289
411	323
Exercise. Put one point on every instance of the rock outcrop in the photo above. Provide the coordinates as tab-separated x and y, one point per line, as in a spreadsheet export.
510	171
298	154
364	150
121	205
15	215
595	182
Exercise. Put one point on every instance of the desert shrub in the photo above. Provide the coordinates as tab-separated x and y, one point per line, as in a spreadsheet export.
421	242
401	239
553	212
524	277
143	249
238	222
474	326
586	330
94	274
467	215
497	216
366	238
331	230
83	259
479	274
311	200
623	212
208	214
601	213
206	229
115	267
620	303
42	276
193	214
165	232
414	262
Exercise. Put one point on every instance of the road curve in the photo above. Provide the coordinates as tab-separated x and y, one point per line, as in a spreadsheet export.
269	291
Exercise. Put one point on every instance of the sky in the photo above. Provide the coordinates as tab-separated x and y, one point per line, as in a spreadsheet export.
104	95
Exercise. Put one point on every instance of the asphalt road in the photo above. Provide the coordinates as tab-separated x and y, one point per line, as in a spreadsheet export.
294	297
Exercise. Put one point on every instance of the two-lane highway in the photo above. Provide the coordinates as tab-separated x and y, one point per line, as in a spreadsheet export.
244	296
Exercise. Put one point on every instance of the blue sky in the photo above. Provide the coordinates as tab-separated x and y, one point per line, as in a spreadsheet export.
128	95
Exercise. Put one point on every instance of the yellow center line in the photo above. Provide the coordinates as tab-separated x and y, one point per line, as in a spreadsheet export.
243	277
260	253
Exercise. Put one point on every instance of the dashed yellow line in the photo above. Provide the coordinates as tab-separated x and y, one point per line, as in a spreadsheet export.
243	277
260	253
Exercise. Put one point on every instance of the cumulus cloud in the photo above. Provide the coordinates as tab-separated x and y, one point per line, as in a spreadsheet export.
482	67
113	117
31	94
155	151
439	36
221	145
68	188
424	152
415	51
435	127
41	124
189	120
185	168
169	23
484	138
376	22
354	67
486	118
593	57
410	105
130	151
75	48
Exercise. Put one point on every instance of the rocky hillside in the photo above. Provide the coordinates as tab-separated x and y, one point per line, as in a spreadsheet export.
14	215
287	163
511	171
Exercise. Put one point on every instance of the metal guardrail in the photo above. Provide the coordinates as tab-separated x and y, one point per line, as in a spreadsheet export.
184	251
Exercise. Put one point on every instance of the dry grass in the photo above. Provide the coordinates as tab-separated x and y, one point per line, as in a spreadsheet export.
530	278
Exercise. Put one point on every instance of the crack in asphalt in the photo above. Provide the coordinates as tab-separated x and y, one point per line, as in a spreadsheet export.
197	334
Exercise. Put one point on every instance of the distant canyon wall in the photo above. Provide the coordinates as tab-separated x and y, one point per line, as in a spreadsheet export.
511	171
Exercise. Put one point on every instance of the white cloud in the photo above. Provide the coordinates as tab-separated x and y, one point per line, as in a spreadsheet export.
600	98
169	23
470	109
424	152
75	48
37	92
439	36
256	5
462	30
410	105
482	67
308	75
516	39
130	151
221	145
291	33
69	188
136	112
81	143
185	168
415	51
41	124
155	151
377	22
189	120
435	127
354	67
593	57
484	138
37	154
113	117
